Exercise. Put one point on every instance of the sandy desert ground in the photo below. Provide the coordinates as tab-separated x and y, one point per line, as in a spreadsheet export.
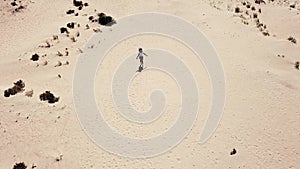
258	45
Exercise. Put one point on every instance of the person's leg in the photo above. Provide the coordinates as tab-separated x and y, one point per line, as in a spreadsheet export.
141	62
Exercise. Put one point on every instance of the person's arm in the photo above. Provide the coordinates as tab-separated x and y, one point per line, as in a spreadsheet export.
137	56
145	54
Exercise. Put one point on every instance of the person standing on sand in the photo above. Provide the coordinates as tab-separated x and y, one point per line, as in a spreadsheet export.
141	57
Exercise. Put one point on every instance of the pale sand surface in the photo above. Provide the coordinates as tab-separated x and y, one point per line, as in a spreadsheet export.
261	119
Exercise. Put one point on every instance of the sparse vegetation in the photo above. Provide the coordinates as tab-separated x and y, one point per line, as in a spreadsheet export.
29	93
237	10
59	158
55	37
105	20
70	11
260	2
293	6
58	64
13	3
48	96
292	39
18	5
71	25
102	19
266	33
64	30
77	3
233	152
35	57
59	54
66	63
297	65
255	15
20	166
17	88
45	63
73	39
91	18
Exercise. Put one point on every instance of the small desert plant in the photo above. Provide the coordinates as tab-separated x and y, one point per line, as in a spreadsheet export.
67	53
91	18
48	96
73	39
13	3
59	158
237	10
66	63
80	50
45	63
292	39
77	3
20	166
35	57
266	33
59	53
58	64
105	20
258	25
55	37
97	30
17	88
260	1
47	45
297	65
233	152
70	11
29	93
255	15
71	25
63	30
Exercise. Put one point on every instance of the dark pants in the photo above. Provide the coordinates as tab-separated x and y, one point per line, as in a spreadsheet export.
141	60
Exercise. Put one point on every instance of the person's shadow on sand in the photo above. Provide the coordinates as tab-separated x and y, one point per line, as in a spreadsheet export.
140	69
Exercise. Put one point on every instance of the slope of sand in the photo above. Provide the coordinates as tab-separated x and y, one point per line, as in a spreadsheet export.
261	117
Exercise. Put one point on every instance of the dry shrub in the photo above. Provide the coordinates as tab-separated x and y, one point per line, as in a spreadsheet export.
20	166
29	93
292	39
48	96
17	88
297	65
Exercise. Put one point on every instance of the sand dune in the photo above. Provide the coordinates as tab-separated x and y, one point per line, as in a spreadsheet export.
258	45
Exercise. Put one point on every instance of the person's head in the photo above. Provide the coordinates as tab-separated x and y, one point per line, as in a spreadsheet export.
140	50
